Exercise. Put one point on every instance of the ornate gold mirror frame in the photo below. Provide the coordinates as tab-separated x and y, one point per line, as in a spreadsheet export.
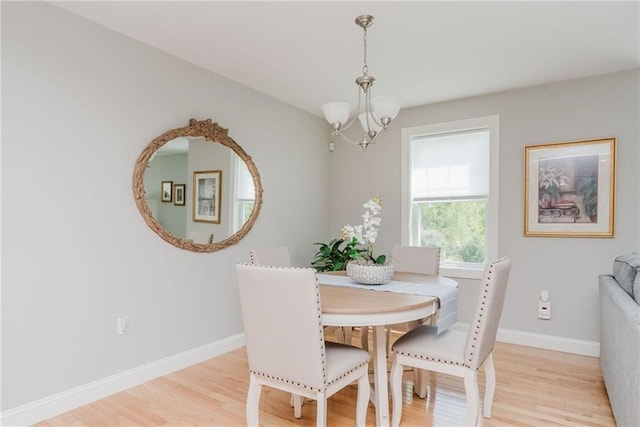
211	132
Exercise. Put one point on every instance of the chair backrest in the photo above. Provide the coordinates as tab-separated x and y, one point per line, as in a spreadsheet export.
271	256
483	329
416	259
202	238
283	329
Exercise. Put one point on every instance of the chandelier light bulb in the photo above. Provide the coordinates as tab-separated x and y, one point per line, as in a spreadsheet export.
337	113
385	107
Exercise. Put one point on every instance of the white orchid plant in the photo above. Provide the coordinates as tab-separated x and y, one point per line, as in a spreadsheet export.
366	233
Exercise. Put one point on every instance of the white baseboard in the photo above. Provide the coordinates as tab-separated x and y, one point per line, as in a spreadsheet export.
549	342
59	403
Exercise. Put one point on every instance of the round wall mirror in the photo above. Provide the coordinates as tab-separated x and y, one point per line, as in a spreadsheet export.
197	188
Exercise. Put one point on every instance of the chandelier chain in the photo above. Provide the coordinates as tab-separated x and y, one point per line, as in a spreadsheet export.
365	67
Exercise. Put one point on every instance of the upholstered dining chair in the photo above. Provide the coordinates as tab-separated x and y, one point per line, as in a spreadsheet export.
279	256
271	256
455	352
202	238
416	259
301	362
408	259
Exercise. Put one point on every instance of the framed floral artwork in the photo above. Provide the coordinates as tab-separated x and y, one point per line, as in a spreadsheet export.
207	196
569	189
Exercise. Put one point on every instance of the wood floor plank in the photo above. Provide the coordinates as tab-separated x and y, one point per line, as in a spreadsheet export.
535	387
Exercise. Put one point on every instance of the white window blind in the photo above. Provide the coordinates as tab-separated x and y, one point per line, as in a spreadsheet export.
452	165
245	189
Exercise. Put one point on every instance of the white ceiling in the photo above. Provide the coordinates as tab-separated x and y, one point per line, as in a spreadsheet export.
308	53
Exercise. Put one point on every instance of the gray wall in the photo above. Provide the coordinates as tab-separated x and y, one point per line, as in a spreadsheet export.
79	104
602	106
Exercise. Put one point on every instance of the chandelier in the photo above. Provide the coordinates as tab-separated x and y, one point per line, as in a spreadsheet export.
378	111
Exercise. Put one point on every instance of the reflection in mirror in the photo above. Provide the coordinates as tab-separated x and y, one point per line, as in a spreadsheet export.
215	190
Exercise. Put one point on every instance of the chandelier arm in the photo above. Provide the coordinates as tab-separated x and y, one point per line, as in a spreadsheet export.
370	112
367	109
370	108
346	139
348	123
377	137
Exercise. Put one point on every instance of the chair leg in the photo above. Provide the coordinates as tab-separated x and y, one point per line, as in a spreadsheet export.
297	405
364	337
348	330
321	410
388	338
253	401
364	392
396	392
473	396
420	382
490	384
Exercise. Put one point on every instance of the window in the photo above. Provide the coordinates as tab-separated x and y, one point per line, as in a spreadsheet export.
450	192
244	194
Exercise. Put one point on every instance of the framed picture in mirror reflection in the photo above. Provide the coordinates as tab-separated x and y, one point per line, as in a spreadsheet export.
207	196
178	194
166	191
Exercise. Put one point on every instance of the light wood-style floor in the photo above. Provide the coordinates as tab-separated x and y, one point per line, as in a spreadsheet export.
535	387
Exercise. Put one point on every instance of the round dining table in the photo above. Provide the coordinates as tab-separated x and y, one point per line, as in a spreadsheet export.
351	307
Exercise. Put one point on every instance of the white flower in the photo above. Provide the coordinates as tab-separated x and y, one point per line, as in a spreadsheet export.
373	205
367	233
370	235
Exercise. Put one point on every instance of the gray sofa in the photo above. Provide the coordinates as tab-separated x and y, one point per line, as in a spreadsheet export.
620	338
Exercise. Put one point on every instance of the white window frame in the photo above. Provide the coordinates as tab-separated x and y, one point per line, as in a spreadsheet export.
491	123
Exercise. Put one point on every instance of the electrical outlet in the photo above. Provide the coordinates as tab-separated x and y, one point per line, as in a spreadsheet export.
544	306
123	325
544	310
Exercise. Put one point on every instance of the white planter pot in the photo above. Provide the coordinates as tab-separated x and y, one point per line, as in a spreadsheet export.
369	274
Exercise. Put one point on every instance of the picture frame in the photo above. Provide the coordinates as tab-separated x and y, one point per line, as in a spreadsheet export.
179	194
207	196
166	191
569	188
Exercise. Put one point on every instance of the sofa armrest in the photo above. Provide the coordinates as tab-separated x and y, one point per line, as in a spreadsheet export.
619	349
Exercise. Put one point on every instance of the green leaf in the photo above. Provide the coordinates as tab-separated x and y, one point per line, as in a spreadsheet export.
381	259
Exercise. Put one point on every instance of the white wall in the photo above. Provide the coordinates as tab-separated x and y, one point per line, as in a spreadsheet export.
568	268
79	104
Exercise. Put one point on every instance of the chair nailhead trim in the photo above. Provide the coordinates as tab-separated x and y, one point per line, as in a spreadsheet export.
423	357
483	303
284	380
321	334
